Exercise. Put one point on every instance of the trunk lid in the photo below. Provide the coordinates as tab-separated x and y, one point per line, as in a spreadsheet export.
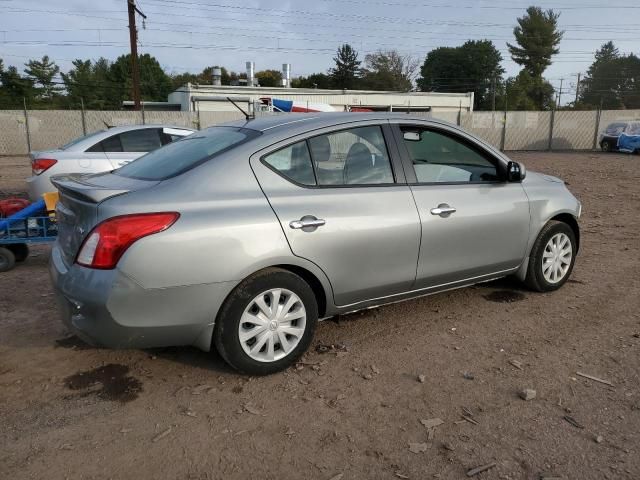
77	211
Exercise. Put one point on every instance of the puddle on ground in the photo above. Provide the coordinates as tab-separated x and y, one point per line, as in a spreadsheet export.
109	382
73	342
504	296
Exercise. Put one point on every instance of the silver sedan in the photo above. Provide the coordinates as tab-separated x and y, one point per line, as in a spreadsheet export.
240	237
98	152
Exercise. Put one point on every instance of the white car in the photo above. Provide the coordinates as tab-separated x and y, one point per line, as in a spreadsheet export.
101	151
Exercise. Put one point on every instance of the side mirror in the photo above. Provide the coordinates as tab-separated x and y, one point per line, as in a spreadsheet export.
516	172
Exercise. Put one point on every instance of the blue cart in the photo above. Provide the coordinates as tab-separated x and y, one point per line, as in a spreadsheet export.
28	226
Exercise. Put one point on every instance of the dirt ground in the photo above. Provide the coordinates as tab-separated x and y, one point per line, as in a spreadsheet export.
68	410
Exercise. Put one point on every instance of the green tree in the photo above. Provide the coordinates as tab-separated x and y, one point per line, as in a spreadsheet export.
526	92
537	37
315	80
203	78
612	79
43	73
269	78
155	84
15	88
388	70
472	67
91	84
346	73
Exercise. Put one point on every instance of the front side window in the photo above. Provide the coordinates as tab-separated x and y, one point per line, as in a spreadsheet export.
294	163
145	140
441	158
633	129
178	157
357	156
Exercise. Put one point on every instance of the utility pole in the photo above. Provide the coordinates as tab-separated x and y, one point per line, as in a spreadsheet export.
133	39
560	93
577	89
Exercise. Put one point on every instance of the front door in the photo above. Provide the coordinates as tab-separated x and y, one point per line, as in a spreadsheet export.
474	223
340	205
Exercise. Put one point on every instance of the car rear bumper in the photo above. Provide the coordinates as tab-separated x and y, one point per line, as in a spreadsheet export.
37	185
107	308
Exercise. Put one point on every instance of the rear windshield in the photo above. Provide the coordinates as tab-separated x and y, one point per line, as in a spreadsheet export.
78	140
182	155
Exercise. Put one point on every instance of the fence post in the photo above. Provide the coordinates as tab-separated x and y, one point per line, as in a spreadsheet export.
26	124
142	110
551	122
597	129
504	131
84	120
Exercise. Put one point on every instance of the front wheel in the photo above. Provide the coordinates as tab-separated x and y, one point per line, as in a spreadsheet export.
7	259
605	146
552	257
20	251
267	322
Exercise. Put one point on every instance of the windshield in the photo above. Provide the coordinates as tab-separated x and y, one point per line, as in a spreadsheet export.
78	140
178	157
616	128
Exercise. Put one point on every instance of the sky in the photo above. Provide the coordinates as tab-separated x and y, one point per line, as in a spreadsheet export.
189	35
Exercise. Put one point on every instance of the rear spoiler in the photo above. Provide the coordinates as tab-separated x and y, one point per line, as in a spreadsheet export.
76	185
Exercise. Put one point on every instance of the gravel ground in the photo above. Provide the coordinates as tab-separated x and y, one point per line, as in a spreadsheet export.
68	410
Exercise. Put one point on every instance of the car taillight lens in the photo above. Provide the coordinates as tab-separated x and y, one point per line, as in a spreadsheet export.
39	165
106	243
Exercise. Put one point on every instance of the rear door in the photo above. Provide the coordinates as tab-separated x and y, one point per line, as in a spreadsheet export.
343	204
474	223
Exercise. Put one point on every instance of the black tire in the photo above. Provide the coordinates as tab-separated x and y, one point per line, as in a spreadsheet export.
535	279
605	146
226	332
7	259
20	251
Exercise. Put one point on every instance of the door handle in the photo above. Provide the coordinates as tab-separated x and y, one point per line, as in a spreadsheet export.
307	222
443	210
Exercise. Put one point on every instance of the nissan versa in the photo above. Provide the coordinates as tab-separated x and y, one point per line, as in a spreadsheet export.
241	236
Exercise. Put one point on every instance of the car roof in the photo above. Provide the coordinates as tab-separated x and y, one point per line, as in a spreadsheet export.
312	121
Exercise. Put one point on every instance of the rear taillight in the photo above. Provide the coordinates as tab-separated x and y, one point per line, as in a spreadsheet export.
106	243
39	165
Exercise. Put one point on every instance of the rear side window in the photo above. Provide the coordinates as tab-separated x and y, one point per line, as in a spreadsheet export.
109	145
294	163
176	158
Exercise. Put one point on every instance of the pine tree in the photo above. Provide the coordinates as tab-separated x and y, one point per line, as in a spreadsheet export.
43	73
537	36
347	70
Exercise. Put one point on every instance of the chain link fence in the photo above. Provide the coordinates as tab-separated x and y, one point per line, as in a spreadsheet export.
22	131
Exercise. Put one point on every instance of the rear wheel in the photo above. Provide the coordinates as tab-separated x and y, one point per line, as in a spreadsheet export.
552	257
267	322
20	251
7	259
605	146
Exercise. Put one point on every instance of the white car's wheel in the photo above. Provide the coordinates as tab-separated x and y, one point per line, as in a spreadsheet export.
552	257
267	322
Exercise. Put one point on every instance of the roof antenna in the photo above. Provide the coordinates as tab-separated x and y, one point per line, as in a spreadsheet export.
247	116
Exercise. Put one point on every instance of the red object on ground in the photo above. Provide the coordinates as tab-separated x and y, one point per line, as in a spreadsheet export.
9	206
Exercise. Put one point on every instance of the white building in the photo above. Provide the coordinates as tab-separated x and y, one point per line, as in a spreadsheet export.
212	98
